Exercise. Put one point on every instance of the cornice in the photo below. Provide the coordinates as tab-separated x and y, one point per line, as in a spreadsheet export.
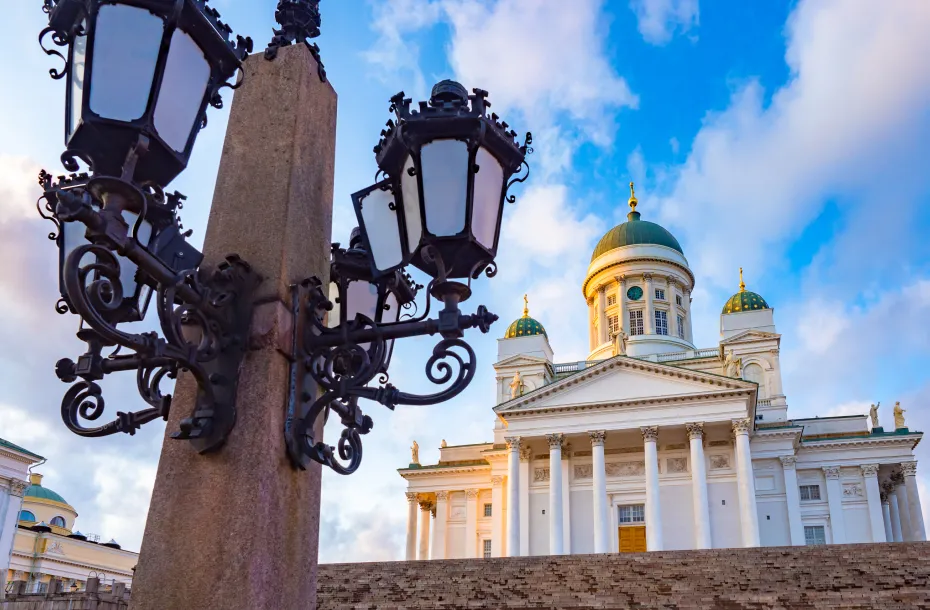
862	441
88	566
419	473
637	259
16	456
637	402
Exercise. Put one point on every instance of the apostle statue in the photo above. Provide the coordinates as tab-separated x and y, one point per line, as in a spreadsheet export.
733	367
443	444
516	386
899	416
873	413
415	454
620	345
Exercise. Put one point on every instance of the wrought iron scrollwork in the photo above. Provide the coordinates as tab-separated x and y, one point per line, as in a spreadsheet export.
299	21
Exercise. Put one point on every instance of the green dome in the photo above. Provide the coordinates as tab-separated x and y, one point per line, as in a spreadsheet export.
744	300
635	231
44	493
525	327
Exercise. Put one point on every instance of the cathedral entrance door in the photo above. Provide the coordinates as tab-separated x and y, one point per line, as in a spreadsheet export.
632	539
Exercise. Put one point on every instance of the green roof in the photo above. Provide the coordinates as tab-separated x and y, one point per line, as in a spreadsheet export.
9	445
635	231
44	493
744	300
524	327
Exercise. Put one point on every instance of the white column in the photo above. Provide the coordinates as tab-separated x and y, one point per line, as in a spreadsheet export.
653	503
886	518
602	337
904	513
556	537
622	316
749	517
592	336
426	508
513	496
702	538
599	489
439	531
411	526
526	457
650	323
793	496
471	523
874	496
918	533
889	487
497	515
835	501
566	499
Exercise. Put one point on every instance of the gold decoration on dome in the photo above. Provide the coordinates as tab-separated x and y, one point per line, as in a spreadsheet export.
633	201
526	307
742	284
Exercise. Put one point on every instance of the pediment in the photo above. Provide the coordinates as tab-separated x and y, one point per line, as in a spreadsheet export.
621	379
520	360
748	336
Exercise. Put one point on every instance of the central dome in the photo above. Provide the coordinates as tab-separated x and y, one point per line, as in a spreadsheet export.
635	231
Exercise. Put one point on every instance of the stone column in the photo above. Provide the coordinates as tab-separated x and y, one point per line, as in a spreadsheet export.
602	336
411	526
471	523
497	515
592	331
526	456
793	497
654	541
894	511
649	327
239	528
622	316
835	501
566	499
513	496
686	303
426	509
599	489
556	536
749	517
873	495
904	513
918	533
886	518
439	533
702	538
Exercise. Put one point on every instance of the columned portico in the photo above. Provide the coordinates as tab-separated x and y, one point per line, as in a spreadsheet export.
411	525
513	496
746	483
426	508
874	498
556	535
653	507
599	489
702	538
835	502
793	498
471	523
894	511
918	533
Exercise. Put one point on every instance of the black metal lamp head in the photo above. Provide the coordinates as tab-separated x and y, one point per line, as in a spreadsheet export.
449	166
139	69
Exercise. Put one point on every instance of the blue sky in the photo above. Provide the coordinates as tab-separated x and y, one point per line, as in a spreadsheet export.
789	138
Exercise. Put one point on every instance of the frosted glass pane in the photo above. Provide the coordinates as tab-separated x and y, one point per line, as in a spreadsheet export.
125	52
187	74
76	79
382	228
127	269
362	298
489	182
444	166
390	315
411	194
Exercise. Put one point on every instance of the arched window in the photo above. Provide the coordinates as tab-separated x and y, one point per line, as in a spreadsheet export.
753	372
58	522
25	515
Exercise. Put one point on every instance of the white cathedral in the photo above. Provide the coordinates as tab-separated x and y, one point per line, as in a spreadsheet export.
653	444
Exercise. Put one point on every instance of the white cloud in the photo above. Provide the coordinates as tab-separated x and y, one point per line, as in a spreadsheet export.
393	54
658	20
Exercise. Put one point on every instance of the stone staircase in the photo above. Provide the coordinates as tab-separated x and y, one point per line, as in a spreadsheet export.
882	576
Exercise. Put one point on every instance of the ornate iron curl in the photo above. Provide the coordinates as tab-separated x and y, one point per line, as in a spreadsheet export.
300	22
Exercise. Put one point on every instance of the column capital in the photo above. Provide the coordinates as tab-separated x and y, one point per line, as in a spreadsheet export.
471	494
597	437
18	488
869	470
647	277
788	462
831	472
650	433
621	279
555	440
411	496
442	496
741	426
909	469
695	430
602	288
513	443
497	481
526	454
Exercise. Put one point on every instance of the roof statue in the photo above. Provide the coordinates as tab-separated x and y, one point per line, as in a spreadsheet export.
732	367
443	444
415	453
620	342
873	413
899	417
516	386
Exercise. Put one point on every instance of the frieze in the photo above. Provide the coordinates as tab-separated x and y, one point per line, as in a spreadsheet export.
676	446
851	490
540	475
582	454
719	462
625	469
718	444
623	450
584	471
678	464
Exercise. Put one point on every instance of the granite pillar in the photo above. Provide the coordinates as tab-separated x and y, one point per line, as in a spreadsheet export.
238	528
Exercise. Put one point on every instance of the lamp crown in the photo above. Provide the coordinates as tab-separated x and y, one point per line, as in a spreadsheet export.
447	91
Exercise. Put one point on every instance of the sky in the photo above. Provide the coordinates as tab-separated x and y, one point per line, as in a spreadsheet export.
789	138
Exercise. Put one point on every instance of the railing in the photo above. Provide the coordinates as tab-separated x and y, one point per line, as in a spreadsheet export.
573	367
764	402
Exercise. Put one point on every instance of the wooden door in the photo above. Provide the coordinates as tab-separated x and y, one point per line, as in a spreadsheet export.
633	539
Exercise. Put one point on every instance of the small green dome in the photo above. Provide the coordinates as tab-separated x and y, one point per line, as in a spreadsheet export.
43	493
744	300
635	231
525	326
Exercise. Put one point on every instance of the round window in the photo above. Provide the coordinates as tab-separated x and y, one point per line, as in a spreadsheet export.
635	293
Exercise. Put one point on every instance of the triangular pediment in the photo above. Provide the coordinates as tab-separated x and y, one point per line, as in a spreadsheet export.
519	360
748	336
621	379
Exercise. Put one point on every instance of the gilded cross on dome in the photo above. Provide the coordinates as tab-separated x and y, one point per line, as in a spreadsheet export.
633	201
526	307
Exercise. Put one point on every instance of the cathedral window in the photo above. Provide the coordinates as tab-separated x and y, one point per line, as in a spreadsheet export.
58	522
486	548
25	515
636	322
611	300
633	513
678	300
810	492
814	535
488	510
661	323
681	327
660	294
613	325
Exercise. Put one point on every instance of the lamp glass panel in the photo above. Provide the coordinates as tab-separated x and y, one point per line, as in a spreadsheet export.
444	165
76	80
74	235
382	228
127	41
361	298
183	86
127	268
410	191
392	314
486	204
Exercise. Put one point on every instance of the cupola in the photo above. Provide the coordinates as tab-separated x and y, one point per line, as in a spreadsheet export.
525	326
744	300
